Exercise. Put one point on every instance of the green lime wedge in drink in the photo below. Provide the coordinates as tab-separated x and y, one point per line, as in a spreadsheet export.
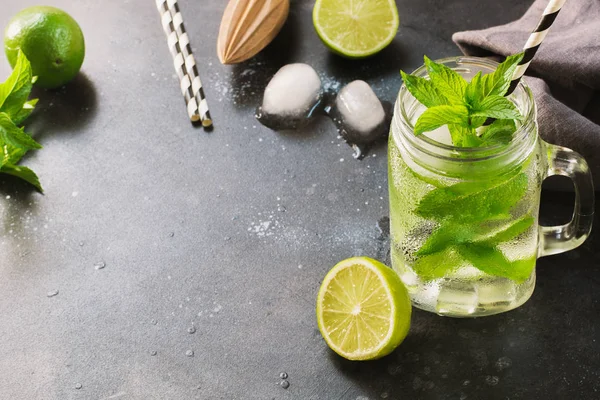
356	28
363	309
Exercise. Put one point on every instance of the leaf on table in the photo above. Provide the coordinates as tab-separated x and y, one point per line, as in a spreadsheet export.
24	173
16	89
15	136
24	112
11	155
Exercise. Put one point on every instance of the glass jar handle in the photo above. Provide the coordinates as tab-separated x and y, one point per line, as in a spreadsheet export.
561	238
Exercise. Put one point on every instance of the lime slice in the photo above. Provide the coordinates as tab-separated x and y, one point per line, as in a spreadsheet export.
356	28
363	309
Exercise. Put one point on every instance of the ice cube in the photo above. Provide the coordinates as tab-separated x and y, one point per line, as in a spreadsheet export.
441	135
290	97
497	292
457	298
358	114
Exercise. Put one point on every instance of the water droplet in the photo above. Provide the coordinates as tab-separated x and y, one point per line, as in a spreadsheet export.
81	243
503	363
492	380
466	383
189	353
78	386
283	375
99	265
384	395
227	237
171	234
284	384
153	353
191	329
281	209
154	322
52	293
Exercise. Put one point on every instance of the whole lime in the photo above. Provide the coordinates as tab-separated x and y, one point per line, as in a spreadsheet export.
52	41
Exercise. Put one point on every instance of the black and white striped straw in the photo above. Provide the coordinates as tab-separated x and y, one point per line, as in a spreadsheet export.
184	62
535	40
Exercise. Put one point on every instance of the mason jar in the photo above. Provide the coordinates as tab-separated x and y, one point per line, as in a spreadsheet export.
465	234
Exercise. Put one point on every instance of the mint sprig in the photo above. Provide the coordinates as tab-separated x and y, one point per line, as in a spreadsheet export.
14	109
465	106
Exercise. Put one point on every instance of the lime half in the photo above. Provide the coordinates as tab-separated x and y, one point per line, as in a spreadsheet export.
356	28
363	309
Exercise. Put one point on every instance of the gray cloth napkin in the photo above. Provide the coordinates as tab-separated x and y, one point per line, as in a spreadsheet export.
564	74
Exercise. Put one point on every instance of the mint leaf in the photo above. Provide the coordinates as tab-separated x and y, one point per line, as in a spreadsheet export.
491	261
468	202
24	112
464	136
451	234
498	107
16	89
450	84
474	90
423	90
438	264
24	173
11	155
437	116
463	106
500	131
497	83
515	229
14	136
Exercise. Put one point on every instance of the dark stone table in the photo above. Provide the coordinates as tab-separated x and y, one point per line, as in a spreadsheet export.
230	232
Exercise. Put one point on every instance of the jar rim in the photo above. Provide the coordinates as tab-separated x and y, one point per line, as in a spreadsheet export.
438	149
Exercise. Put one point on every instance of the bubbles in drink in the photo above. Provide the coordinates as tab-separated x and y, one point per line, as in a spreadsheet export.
290	98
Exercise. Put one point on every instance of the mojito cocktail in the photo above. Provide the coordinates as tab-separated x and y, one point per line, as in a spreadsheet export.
464	229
